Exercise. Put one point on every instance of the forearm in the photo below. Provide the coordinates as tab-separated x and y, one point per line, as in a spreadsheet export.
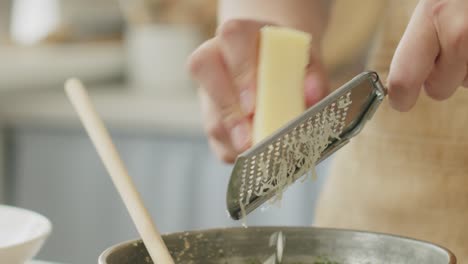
307	15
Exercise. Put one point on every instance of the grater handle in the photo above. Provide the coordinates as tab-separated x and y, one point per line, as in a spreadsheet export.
378	95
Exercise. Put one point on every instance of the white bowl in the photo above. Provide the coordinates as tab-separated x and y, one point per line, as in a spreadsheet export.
22	233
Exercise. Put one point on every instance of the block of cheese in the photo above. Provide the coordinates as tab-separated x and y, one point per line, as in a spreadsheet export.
283	58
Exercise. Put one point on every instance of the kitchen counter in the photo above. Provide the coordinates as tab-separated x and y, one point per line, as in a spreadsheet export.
41	262
29	72
119	106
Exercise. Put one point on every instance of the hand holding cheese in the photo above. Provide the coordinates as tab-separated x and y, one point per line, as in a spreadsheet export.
226	67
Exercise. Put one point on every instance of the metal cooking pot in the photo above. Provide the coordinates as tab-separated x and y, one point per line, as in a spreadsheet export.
302	245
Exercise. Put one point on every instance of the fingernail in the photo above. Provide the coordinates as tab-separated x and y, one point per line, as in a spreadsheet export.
399	99
247	101
240	136
312	89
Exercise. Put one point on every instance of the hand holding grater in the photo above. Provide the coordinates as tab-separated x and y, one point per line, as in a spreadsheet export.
294	150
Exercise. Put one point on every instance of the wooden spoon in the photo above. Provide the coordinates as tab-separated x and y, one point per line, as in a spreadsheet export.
107	151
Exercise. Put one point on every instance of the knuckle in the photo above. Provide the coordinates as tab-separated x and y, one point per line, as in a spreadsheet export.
459	39
436	8
231	28
201	57
229	113
455	34
216	130
195	62
243	74
434	92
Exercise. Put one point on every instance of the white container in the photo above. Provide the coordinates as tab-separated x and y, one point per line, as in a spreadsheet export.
157	55
22	234
32	21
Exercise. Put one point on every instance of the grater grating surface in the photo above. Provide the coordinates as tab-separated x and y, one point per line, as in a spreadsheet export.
265	170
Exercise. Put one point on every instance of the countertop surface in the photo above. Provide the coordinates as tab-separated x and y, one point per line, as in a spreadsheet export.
27	73
41	262
120	107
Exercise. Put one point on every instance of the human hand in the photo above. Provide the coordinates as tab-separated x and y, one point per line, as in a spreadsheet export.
433	53
225	67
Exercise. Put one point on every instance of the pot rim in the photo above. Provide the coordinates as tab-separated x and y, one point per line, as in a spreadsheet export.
450	255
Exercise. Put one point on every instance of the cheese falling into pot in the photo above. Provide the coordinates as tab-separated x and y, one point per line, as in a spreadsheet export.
283	58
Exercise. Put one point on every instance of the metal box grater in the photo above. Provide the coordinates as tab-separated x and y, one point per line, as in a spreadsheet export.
253	179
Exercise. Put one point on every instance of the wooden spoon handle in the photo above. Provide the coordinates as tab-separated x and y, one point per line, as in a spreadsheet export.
107	151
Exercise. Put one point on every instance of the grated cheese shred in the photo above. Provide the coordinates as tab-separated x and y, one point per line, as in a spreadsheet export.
294	155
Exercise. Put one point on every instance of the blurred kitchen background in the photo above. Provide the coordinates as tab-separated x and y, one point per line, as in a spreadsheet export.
131	55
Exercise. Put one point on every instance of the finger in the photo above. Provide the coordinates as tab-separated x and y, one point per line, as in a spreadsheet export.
413	60
228	141
450	68
208	68
446	76
223	153
239	45
465	82
316	80
219	138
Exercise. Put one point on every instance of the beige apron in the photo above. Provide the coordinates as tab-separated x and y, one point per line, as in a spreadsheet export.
406	173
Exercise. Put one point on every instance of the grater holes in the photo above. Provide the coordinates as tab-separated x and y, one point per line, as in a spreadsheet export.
309	137
270	150
301	127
